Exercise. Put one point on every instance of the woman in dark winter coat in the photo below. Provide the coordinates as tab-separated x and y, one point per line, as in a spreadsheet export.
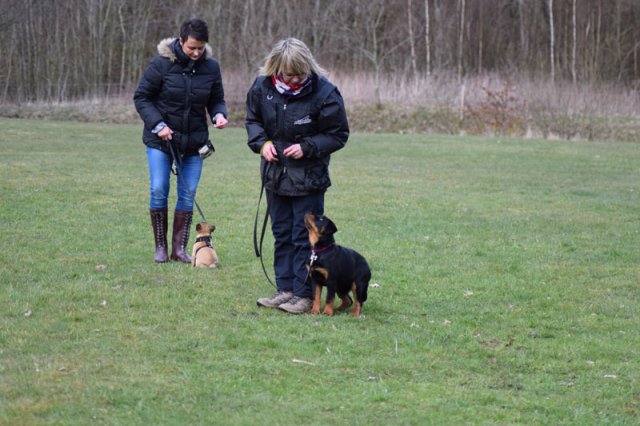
295	120
180	89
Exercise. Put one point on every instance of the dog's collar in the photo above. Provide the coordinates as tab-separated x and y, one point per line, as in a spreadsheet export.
315	250
204	239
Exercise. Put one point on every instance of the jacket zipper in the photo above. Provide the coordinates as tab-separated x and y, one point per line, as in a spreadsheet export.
284	110
185	120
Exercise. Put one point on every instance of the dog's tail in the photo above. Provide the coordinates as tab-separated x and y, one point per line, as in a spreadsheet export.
362	285
361	288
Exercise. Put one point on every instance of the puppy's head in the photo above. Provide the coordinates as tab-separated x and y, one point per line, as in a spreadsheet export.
320	228
204	229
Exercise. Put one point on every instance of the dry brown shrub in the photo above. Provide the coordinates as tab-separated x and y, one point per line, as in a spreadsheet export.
484	104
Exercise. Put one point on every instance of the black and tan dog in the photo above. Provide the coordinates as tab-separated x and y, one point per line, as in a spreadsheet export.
341	270
203	254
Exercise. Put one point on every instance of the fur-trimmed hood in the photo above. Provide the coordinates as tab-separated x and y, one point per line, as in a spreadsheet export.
164	49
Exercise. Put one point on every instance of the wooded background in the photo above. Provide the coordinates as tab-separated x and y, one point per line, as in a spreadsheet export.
56	50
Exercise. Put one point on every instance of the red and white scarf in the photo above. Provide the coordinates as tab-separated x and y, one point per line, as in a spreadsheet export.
289	90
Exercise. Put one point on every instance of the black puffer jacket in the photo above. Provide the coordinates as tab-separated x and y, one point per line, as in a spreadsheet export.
180	92
316	119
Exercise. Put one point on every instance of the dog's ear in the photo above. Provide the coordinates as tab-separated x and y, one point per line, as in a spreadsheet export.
213	228
329	227
198	227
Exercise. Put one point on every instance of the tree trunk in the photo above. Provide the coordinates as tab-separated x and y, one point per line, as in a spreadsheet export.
427	37
461	39
552	41
574	41
411	40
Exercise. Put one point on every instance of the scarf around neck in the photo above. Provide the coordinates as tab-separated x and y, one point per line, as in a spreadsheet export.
285	89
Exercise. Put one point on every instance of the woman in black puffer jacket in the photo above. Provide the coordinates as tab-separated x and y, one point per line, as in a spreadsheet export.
180	89
295	120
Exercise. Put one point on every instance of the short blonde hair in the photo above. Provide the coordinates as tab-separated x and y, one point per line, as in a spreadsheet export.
293	55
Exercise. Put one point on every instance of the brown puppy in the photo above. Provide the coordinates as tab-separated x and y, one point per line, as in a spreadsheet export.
203	254
340	269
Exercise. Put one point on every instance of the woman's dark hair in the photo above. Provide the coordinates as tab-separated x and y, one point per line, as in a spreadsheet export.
194	28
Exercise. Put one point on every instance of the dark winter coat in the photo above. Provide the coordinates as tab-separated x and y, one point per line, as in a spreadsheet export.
180	92
315	118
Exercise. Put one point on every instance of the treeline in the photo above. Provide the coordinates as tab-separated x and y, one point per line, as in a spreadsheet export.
68	49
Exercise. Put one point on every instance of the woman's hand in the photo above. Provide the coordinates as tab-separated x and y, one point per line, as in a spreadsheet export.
220	122
166	134
269	152
294	151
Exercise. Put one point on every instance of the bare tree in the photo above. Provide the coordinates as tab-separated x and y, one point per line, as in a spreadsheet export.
372	50
574	31
411	40
427	36
552	41
524	45
65	49
462	5
373	40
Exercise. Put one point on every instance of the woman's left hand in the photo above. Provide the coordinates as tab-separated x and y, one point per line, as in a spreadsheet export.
294	151
220	122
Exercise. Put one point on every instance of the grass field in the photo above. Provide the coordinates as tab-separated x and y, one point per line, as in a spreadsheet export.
507	272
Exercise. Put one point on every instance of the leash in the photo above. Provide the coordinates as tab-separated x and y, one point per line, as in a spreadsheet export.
177	160
257	247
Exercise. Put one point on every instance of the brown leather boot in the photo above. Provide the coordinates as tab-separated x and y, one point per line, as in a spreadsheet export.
159	224
181	228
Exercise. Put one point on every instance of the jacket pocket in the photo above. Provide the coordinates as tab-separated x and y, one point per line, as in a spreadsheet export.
311	178
317	177
296	176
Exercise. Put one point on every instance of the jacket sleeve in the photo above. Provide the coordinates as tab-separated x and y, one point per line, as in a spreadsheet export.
333	128
146	94
253	122
217	103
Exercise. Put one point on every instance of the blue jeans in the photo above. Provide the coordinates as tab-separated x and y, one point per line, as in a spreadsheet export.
160	178
291	246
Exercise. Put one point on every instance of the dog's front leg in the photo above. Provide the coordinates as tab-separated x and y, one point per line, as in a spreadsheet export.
317	294
328	308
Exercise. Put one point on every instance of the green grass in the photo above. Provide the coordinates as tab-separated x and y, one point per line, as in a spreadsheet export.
508	275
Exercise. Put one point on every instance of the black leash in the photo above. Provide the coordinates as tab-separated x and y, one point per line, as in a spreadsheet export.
258	247
177	160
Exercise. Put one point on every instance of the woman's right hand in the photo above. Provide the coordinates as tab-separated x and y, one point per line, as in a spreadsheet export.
269	152
166	134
